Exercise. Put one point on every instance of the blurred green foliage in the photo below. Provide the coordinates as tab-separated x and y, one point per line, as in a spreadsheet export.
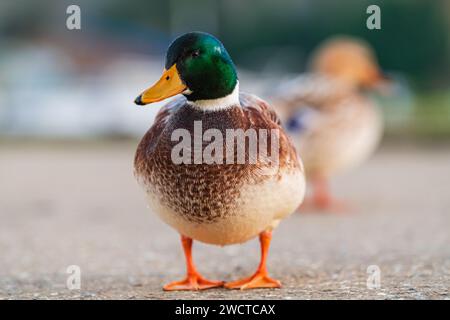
271	36
414	38
432	115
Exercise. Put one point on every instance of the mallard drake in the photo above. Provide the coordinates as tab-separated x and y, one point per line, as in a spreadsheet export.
333	123
214	202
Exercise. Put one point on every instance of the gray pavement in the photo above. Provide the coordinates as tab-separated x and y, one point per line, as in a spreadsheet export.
78	204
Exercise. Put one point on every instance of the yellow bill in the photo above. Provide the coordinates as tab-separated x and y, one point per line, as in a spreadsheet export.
169	85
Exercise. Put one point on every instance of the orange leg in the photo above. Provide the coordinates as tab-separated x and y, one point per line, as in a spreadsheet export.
260	279
193	280
322	199
322	196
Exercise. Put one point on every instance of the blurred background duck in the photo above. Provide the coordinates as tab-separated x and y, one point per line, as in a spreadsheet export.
213	202
333	122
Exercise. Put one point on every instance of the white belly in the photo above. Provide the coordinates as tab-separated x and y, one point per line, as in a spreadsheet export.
258	208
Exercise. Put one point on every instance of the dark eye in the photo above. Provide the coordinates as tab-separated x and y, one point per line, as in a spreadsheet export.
195	54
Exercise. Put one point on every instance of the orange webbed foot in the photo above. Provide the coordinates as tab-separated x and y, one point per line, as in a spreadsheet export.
258	280
193	282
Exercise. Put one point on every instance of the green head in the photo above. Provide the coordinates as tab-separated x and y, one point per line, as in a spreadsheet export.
204	65
197	65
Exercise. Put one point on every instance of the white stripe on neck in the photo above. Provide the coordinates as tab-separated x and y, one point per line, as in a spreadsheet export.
218	104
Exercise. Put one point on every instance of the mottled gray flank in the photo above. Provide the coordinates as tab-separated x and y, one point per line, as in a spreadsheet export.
79	204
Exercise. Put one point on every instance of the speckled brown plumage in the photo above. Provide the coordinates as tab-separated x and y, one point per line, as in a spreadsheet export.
202	193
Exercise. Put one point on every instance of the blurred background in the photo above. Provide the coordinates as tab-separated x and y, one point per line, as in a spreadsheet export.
69	130
60	83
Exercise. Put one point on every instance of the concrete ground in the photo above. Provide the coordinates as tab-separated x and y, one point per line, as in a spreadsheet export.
71	204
